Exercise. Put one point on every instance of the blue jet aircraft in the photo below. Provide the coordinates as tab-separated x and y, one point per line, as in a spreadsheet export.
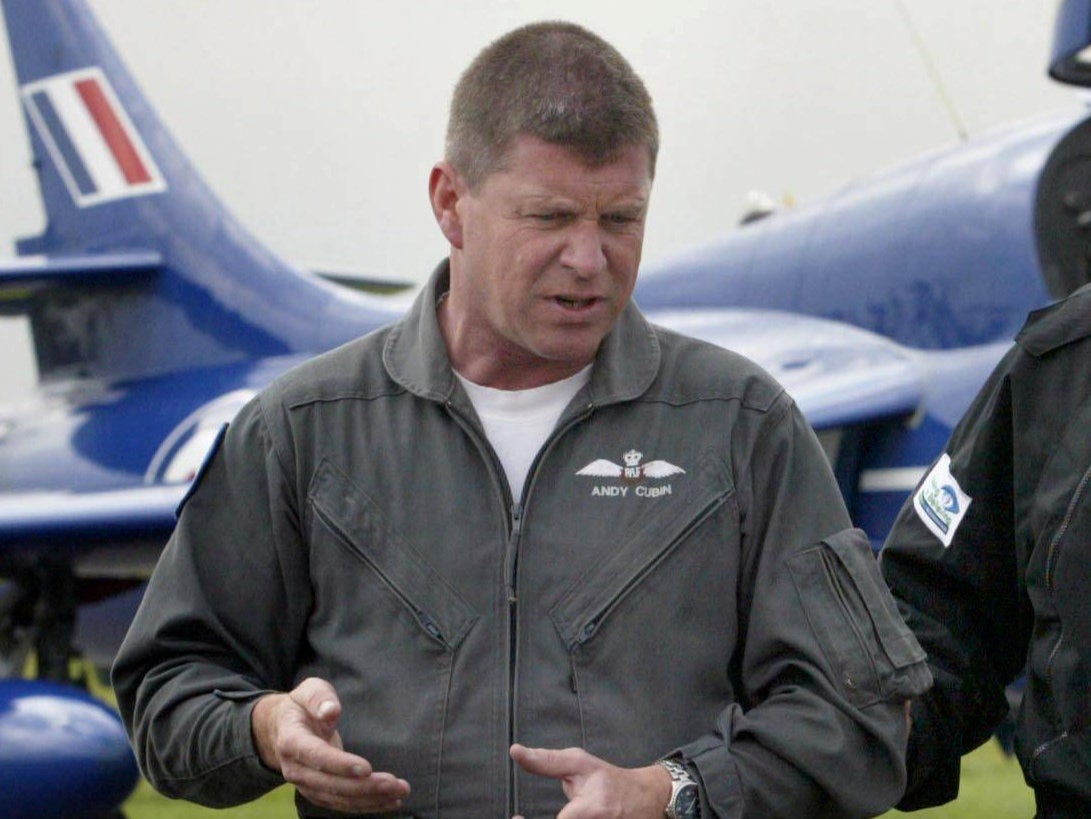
155	316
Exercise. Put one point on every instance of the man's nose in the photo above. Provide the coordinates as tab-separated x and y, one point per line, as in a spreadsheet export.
584	251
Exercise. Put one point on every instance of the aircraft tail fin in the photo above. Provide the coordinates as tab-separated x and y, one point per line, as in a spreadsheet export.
94	166
116	186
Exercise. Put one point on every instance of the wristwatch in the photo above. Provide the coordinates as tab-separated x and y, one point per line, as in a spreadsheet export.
685	801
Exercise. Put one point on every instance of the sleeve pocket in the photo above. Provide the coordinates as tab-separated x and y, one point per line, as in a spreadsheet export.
873	654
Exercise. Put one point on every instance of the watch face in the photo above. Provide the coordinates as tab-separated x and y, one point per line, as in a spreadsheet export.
687	804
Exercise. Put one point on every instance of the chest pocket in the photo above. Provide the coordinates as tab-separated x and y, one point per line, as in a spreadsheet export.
644	543
361	528
385	630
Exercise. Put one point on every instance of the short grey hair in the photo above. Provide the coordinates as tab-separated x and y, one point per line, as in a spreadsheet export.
555	81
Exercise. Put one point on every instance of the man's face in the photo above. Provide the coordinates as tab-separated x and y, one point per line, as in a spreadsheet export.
548	257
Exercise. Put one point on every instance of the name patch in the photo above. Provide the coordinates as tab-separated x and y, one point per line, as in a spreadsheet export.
633	475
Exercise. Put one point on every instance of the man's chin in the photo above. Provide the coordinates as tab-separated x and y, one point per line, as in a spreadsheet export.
569	356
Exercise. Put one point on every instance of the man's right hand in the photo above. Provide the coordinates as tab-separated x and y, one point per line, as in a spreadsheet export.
296	734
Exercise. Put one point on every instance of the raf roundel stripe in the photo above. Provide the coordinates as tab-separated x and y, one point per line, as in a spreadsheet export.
113	132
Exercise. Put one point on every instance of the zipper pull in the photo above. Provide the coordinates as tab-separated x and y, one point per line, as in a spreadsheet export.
516	528
516	519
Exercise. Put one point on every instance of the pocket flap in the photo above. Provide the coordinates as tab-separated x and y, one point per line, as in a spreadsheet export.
366	532
648	538
856	621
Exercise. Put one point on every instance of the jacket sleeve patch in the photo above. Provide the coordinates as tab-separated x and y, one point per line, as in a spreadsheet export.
202	469
940	502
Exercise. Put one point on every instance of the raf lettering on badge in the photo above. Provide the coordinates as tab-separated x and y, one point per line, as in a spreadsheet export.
632	474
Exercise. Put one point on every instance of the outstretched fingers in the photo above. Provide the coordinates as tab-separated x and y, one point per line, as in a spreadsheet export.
554	763
350	791
594	787
332	778
301	727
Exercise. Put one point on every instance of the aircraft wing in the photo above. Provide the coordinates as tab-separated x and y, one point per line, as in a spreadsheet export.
22	277
79	268
838	374
37	518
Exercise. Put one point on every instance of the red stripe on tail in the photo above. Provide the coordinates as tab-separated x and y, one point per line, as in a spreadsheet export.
128	160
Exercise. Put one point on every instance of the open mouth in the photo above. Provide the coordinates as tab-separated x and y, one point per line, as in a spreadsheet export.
574	304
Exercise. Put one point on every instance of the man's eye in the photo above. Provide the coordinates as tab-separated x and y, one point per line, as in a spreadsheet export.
552	218
619	219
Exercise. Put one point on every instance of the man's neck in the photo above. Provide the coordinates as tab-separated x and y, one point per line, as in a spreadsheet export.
487	366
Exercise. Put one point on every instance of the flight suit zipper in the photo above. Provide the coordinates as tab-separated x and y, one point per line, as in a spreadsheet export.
515	512
512	524
1054	544
511	563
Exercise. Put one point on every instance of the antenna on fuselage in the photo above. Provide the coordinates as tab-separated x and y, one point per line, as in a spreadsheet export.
933	72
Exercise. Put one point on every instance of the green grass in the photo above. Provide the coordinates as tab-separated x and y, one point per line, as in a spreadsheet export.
147	804
992	786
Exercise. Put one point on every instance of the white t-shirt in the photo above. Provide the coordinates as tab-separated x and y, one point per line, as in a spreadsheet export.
517	422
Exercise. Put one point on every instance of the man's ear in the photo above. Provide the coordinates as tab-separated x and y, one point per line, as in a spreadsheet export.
445	189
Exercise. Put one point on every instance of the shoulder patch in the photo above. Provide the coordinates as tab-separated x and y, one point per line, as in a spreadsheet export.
940	502
202	469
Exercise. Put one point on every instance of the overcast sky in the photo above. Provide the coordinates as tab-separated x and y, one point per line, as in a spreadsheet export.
317	121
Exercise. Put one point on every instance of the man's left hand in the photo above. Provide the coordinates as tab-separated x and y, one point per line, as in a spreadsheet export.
595	788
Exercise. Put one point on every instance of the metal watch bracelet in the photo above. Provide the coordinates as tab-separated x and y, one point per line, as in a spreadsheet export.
688	806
